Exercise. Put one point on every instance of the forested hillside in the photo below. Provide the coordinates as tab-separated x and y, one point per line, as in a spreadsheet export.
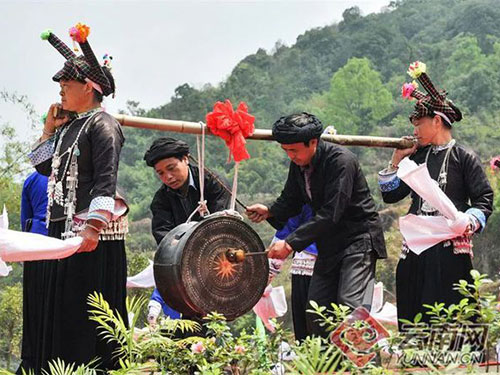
350	75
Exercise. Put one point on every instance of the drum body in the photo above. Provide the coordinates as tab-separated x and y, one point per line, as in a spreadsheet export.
194	277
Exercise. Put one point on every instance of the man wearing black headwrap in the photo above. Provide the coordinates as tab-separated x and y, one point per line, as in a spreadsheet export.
179	194
345	226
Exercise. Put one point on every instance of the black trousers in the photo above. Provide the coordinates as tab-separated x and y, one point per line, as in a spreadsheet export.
300	301
349	283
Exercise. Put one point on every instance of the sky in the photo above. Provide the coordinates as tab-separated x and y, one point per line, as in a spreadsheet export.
156	45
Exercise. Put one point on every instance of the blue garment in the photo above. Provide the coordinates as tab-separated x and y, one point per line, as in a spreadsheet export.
296	221
167	310
34	204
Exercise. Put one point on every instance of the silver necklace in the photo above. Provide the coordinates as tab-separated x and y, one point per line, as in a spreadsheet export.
55	191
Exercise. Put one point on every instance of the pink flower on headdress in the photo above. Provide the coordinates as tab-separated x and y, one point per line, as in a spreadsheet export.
407	89
495	163
416	69
198	347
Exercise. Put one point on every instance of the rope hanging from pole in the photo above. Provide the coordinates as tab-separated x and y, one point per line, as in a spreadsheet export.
200	151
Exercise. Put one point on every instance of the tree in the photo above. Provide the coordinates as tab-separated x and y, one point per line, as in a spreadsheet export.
11	313
351	14
357	99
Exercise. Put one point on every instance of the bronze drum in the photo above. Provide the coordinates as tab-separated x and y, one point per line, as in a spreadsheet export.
194	276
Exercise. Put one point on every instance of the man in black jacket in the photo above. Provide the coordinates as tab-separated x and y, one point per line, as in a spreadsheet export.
345	226
179	195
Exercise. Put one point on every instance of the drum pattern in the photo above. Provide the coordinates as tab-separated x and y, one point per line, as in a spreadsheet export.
195	278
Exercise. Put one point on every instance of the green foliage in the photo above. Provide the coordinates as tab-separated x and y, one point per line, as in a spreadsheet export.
329	318
12	166
10	196
386	269
22	102
13	158
159	349
350	75
11	313
164	347
357	99
112	326
59	367
316	356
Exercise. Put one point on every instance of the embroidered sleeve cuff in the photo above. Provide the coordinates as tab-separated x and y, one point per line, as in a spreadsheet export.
102	203
99	216
42	151
479	215
388	180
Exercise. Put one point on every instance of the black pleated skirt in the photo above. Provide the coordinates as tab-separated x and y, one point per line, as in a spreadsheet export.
428	278
56	320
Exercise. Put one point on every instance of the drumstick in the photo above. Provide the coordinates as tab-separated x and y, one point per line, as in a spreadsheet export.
238	255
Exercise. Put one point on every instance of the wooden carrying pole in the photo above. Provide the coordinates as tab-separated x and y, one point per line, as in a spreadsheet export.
259	134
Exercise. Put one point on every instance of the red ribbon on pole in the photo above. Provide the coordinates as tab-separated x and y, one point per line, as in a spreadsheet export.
232	126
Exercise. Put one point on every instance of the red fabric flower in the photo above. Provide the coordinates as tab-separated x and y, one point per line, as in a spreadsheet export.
495	163
232	126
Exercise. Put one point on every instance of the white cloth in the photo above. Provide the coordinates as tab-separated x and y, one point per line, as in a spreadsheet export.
4	219
271	305
144	279
388	314
423	232
383	312
21	246
4	268
4	224
378	297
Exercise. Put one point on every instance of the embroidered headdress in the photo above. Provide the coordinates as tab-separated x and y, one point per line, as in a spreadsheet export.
84	68
432	103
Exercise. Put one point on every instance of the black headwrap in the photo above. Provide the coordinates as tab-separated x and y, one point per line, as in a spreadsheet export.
297	128
164	148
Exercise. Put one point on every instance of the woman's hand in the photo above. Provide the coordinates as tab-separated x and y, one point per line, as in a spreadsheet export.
51	122
90	240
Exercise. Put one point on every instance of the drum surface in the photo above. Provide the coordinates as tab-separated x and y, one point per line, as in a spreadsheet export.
194	277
